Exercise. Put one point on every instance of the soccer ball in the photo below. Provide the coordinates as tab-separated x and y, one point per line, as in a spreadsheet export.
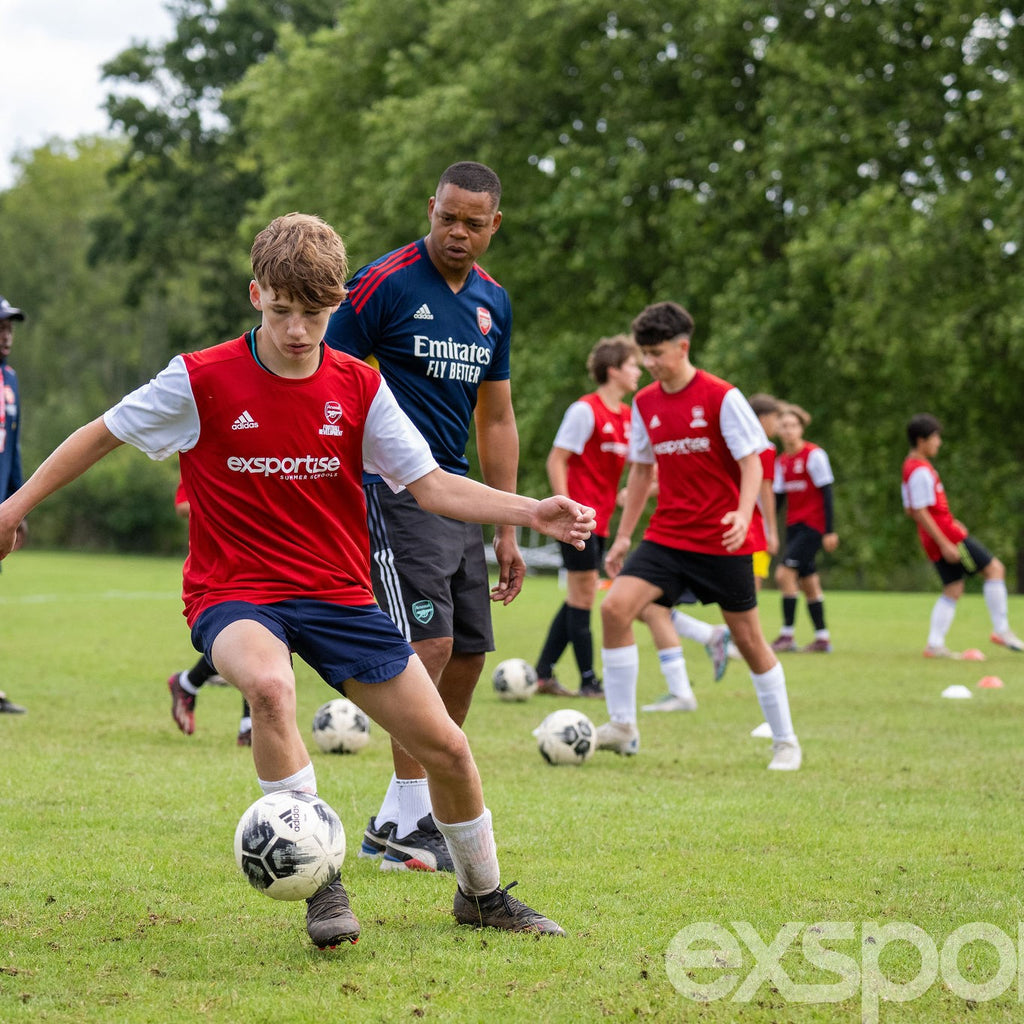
339	727
566	737
290	845
515	679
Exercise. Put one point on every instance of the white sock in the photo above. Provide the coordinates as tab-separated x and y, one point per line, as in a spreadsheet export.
245	724
471	844
621	668
673	668
690	628
995	601
771	692
389	808
413	804
304	780
186	684
942	618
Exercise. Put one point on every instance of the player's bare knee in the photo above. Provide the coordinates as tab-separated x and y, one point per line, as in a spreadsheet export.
449	757
270	693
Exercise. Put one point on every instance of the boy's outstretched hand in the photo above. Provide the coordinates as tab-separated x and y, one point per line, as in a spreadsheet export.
565	520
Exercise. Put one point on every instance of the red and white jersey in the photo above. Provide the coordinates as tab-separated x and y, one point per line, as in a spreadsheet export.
695	437
800	477
767	456
272	468
598	438
922	488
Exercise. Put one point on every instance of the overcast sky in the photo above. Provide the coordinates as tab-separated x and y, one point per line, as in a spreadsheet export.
50	57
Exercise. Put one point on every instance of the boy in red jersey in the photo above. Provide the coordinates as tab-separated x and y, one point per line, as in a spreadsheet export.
274	431
803	484
951	549
705	439
586	461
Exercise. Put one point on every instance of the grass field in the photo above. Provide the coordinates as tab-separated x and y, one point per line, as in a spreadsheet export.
120	900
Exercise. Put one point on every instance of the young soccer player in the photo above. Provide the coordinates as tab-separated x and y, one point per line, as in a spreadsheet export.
716	639
803	485
586	462
947	543
274	431
704	438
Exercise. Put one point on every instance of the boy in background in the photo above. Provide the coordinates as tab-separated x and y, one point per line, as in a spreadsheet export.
948	544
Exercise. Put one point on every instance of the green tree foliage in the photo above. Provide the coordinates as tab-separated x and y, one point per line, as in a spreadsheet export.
828	186
187	173
79	348
832	187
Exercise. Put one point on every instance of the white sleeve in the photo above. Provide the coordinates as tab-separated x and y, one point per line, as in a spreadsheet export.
819	468
640	449
920	489
576	428
740	426
159	418
392	447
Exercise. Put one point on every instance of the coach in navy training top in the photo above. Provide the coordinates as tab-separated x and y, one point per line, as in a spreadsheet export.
440	329
402	311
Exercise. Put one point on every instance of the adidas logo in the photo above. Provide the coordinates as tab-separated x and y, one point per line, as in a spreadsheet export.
291	818
423	313
244	422
655	421
607	429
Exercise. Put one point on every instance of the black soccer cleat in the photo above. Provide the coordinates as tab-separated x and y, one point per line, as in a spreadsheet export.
499	909
329	918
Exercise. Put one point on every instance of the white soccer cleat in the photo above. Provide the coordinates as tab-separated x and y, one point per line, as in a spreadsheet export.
932	651
670	702
620	737
787	756
1009	640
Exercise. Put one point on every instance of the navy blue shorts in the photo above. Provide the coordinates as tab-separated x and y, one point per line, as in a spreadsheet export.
339	642
725	580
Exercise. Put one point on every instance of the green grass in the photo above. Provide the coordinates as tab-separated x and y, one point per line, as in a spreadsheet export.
120	900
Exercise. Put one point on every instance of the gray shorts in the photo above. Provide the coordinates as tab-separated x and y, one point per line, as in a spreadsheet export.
429	572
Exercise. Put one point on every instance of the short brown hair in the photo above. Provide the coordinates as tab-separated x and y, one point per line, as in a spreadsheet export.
302	257
764	405
801	414
610	354
660	322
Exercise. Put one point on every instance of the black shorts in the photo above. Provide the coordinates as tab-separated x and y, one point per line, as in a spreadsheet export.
725	580
587	560
429	572
974	556
803	542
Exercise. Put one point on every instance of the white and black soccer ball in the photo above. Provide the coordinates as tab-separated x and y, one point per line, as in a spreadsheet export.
339	727
514	679
566	737
290	845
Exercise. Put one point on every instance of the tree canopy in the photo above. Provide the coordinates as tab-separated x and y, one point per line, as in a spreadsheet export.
832	188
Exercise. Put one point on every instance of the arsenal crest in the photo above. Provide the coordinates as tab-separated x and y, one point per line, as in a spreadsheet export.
332	411
483	319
